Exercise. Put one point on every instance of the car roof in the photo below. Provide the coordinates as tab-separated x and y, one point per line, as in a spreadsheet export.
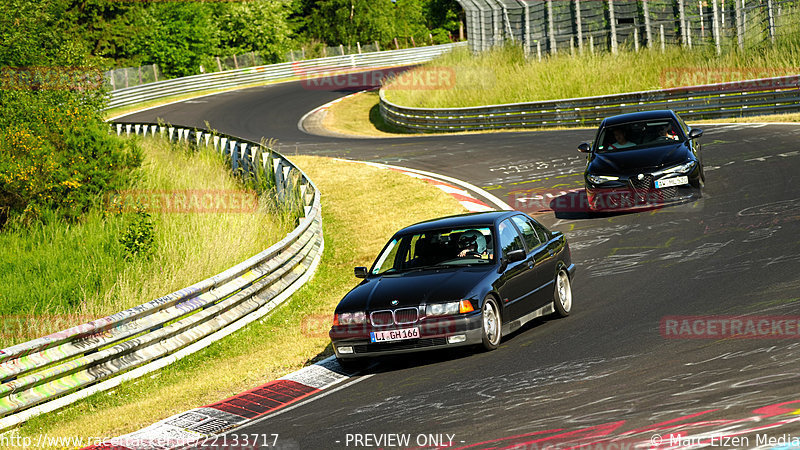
461	220
641	115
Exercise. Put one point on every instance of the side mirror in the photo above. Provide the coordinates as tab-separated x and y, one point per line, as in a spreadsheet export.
515	255
695	133
361	272
585	147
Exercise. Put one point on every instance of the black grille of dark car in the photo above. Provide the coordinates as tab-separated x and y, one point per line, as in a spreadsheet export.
646	183
406	315
400	316
401	345
382	318
669	193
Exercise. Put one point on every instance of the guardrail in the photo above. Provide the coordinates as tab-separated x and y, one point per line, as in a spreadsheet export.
713	101
44	374
274	72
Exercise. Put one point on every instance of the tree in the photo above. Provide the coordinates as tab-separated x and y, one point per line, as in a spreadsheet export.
177	36
262	27
351	21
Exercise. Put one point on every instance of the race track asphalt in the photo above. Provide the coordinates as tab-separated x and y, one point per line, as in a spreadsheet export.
609	374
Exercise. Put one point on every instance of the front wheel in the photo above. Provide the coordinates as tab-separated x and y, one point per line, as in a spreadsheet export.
562	300
491	324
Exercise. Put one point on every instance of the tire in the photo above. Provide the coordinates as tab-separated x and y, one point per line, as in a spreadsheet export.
492	326
701	180
562	297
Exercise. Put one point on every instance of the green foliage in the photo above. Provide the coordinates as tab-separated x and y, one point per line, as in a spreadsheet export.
181	36
351	21
178	36
255	26
365	21
55	151
139	238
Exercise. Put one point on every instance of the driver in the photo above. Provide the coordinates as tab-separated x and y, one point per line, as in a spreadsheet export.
471	243
668	132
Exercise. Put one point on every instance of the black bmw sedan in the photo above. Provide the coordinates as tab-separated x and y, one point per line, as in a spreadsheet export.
454	281
642	160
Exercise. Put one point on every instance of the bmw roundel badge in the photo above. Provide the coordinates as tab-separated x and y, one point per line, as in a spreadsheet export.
395	302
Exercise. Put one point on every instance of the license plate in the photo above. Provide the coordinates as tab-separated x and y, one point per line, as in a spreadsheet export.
394	335
677	181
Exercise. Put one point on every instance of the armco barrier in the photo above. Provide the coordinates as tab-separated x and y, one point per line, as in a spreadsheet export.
47	373
713	101
275	72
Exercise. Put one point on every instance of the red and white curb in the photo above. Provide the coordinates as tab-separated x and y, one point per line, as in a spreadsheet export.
458	189
199	426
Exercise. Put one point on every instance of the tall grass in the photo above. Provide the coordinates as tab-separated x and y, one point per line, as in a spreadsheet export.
58	274
504	75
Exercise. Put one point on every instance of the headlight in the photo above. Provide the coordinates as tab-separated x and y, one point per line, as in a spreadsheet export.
681	168
600	179
354	318
449	309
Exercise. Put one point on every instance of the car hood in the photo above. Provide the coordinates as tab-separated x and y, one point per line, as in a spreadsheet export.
413	288
636	161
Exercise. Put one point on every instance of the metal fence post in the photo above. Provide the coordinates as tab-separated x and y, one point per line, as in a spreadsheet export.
647	31
739	24
702	21
771	21
527	34
682	18
715	28
551	31
580	25
613	22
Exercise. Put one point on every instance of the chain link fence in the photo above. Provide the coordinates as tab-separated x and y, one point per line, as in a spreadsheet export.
132	76
553	26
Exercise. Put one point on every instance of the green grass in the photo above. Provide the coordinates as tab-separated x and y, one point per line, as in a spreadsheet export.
58	275
289	338
359	115
504	75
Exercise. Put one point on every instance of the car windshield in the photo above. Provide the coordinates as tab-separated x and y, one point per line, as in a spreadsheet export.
636	135
436	249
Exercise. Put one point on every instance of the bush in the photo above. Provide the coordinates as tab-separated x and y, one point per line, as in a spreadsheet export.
56	153
60	156
139	238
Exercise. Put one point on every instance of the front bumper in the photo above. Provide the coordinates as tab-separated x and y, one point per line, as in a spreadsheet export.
626	198
435	333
